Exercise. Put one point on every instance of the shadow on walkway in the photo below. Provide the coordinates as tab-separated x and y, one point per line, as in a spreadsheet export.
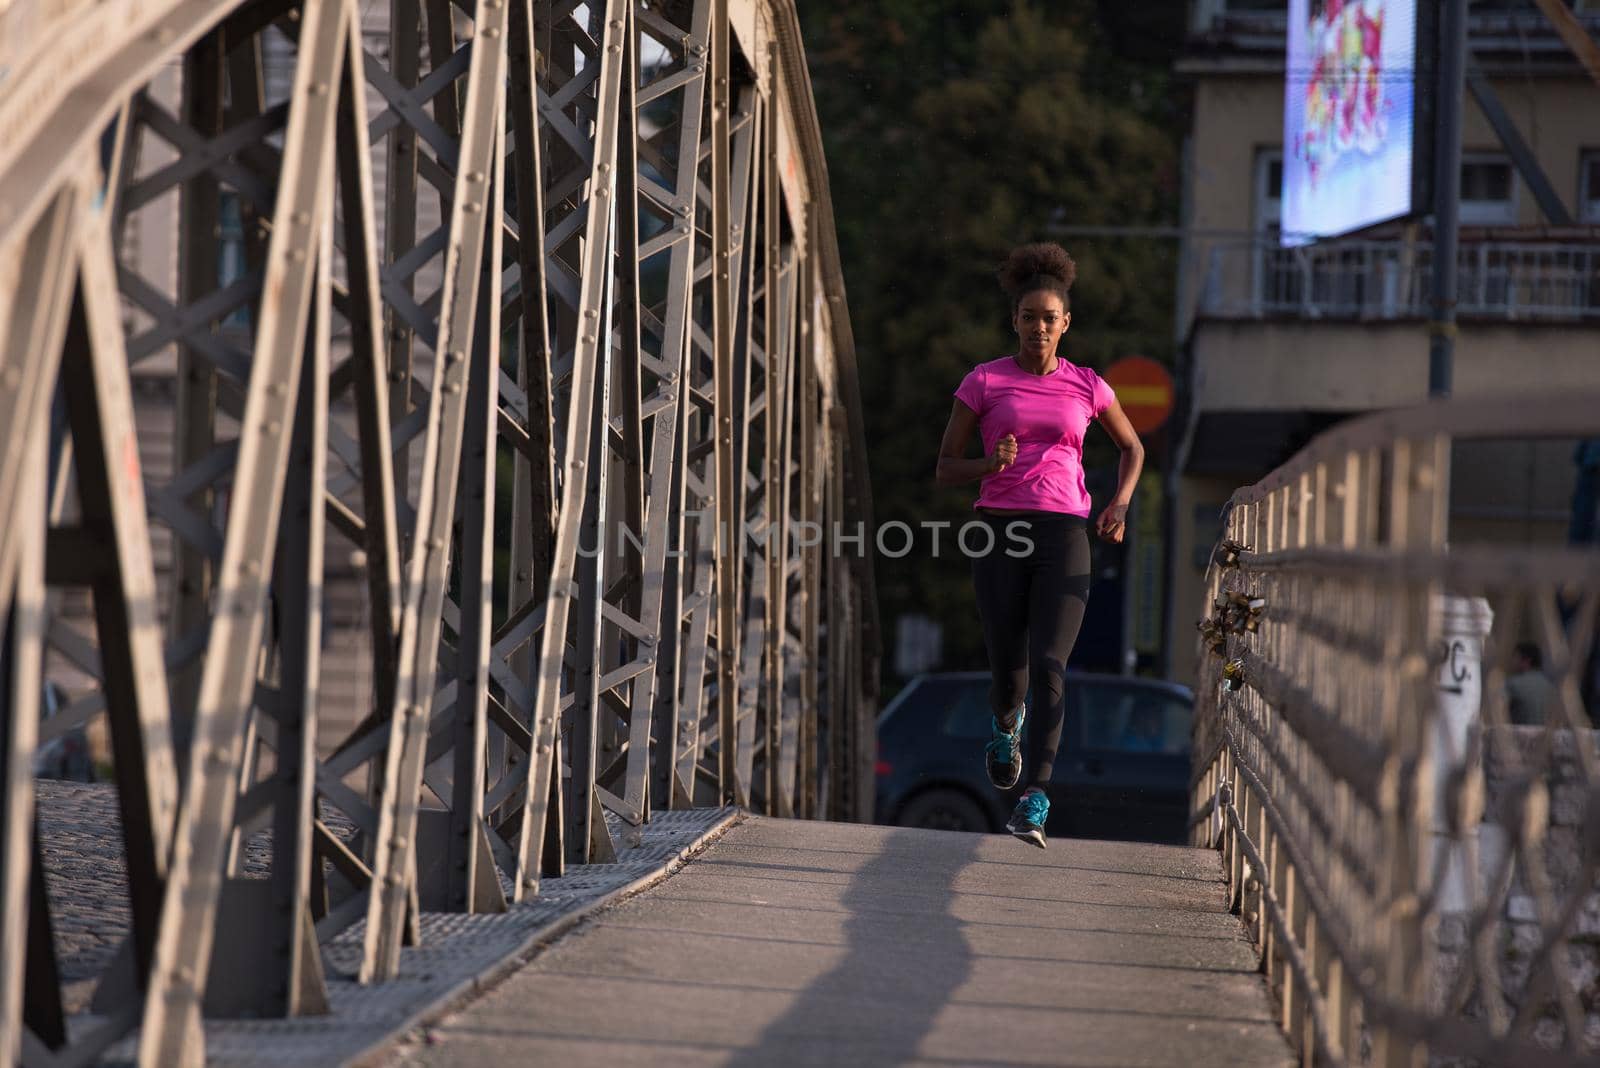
899	972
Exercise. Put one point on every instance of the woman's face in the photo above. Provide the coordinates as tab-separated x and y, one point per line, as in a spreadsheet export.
1040	320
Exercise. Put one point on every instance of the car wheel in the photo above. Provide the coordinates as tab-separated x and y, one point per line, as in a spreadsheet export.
944	810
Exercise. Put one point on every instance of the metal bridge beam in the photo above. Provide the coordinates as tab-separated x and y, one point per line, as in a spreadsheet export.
544	363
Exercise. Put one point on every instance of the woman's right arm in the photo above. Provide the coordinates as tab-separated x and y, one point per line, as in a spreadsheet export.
954	467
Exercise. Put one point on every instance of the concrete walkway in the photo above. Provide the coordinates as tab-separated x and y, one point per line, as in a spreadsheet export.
790	943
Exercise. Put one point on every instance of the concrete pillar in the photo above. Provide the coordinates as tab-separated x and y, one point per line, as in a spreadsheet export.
1462	624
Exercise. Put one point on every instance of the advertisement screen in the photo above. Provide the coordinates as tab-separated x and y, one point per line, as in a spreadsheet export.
1349	111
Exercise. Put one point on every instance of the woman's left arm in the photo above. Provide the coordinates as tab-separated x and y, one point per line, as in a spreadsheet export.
1113	521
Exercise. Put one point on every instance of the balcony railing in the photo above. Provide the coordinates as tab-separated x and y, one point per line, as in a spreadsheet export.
1376	280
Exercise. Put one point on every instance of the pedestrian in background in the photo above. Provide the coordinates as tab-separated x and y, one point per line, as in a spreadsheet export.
1529	693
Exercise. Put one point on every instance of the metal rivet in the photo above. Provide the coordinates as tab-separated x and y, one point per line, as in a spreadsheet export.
453	388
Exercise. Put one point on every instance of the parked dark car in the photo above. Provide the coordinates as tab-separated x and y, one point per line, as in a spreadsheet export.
1122	770
66	756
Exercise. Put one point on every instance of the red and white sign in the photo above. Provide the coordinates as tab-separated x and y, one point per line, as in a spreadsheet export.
1144	389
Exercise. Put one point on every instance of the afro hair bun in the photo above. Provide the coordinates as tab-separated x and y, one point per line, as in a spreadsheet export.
1030	265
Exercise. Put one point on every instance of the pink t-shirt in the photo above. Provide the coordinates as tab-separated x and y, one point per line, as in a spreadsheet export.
1048	414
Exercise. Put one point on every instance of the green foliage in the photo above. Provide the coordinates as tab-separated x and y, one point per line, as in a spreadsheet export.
955	131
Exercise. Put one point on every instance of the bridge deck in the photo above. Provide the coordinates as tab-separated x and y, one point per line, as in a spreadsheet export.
791	943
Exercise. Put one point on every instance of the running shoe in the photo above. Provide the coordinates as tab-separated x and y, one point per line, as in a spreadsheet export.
1027	821
1003	753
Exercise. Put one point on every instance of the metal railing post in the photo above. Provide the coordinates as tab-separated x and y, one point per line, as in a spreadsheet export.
1447	194
1332	766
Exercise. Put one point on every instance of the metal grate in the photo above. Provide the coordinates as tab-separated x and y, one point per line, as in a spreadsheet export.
456	951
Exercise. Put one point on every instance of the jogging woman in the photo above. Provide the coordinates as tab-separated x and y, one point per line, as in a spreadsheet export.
1031	410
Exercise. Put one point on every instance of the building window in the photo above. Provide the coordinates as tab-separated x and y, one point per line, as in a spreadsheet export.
1589	186
1274	278
1488	189
1268	190
1205	14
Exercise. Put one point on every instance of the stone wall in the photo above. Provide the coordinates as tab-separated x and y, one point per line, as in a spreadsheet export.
1538	777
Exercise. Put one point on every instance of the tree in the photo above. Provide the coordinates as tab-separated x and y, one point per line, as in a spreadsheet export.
955	131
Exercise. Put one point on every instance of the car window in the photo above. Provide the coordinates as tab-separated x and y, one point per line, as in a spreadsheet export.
1131	719
966	715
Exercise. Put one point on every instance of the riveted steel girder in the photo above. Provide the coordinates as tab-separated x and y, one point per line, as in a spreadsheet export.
419	426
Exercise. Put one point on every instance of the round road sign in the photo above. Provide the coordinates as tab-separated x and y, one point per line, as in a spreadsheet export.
1144	389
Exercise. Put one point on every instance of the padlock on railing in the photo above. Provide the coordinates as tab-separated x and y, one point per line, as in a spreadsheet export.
1240	612
1227	554
1252	614
1233	675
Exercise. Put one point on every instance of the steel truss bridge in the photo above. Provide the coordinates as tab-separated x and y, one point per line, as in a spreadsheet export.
520	325
509	309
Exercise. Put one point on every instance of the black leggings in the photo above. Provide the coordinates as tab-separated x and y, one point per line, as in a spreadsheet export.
1031	603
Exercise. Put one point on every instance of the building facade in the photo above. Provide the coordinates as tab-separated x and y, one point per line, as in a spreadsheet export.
1280	343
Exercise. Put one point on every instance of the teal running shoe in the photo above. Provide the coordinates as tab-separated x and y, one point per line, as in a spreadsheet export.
1027	821
1003	753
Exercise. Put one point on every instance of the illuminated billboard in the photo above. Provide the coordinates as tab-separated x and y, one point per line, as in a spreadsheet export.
1349	116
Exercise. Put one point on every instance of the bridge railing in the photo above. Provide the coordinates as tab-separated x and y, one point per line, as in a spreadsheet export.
526	313
1409	819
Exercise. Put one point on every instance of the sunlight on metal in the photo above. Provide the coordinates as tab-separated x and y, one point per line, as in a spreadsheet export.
468	322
